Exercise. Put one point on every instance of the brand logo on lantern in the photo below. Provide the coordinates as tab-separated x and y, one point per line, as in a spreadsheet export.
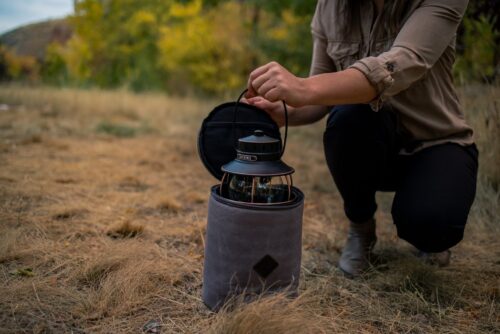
246	157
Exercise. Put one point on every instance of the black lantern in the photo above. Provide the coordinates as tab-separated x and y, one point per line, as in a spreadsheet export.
257	175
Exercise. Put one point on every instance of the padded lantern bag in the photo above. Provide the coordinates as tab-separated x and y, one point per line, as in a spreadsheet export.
251	249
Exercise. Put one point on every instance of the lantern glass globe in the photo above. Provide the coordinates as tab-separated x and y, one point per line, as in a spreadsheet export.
258	189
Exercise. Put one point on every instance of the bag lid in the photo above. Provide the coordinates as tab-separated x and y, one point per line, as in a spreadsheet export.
221	129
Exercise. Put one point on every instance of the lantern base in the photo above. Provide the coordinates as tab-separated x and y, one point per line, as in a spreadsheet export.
251	249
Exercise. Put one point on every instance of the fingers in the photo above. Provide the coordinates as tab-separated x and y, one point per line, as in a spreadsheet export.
266	86
258	77
253	100
260	80
271	108
256	100
250	91
273	95
263	104
261	70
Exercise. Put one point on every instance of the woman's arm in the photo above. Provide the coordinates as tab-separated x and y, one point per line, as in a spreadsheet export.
308	98
273	82
418	46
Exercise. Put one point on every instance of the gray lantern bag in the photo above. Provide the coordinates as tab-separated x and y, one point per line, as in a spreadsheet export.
254	229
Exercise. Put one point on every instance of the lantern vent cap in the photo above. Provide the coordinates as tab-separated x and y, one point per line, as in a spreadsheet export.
261	145
258	155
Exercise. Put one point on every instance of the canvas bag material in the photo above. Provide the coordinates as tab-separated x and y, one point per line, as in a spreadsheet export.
251	249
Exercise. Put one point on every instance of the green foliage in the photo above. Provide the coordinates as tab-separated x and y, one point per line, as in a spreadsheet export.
287	41
54	70
477	62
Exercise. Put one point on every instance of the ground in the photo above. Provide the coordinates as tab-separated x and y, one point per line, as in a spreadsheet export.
103	205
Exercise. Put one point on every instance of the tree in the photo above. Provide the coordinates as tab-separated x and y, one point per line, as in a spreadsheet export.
121	37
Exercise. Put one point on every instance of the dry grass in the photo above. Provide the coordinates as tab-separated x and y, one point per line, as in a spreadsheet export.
276	315
102	216
125	229
484	105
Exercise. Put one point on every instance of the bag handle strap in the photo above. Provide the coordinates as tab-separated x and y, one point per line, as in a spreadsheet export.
236	111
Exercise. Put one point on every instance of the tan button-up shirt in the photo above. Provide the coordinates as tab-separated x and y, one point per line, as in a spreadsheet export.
412	71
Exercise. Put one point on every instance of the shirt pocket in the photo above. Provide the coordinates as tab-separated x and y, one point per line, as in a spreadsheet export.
343	54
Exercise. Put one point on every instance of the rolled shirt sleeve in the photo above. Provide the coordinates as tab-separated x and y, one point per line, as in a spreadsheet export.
420	43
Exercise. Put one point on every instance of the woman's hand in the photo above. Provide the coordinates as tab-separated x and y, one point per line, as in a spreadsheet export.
275	83
274	109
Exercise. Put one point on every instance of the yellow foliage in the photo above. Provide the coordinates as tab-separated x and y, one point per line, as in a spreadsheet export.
281	31
18	67
141	22
179	45
88	22
211	49
186	10
289	40
77	57
291	19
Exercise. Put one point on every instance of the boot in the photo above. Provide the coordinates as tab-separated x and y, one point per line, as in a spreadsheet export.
441	259
355	258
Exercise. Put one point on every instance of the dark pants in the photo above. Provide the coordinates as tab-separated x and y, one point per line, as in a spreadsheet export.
434	187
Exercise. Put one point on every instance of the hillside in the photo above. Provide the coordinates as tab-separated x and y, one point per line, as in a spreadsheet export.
32	39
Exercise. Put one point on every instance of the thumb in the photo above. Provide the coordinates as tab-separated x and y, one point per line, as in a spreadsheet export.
254	100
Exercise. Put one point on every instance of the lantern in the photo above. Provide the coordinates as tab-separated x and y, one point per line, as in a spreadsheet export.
253	239
257	175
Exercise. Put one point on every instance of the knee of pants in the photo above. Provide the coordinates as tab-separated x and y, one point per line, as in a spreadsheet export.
350	117
429	230
348	124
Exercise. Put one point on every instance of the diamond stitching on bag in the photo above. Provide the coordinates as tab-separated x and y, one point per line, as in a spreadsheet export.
265	266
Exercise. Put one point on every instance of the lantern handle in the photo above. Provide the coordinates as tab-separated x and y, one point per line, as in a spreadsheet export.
286	120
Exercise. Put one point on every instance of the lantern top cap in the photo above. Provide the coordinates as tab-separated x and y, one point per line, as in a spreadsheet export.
260	144
258	155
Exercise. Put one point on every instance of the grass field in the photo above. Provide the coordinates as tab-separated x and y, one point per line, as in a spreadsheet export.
103	206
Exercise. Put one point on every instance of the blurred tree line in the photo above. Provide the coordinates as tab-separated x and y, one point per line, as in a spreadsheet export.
478	44
210	46
203	46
